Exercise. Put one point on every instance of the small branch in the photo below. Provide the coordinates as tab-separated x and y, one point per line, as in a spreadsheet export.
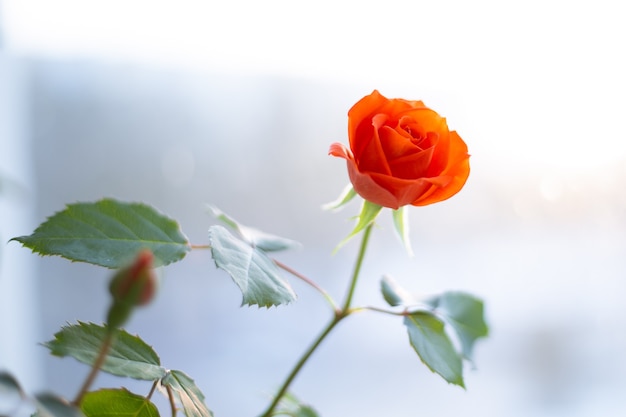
170	396
152	389
381	310
200	246
310	282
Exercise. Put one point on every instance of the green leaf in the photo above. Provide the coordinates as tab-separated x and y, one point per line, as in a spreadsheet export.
108	233
9	385
129	356
117	402
254	237
50	405
292	406
393	293
346	196
368	214
465	313
255	274
402	227
187	394
433	346
11	393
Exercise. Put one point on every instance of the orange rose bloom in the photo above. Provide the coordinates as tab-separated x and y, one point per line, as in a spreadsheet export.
401	152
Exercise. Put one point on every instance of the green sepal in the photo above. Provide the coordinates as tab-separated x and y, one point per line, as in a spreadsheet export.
400	221
187	394
369	212
255	237
117	403
434	347
346	196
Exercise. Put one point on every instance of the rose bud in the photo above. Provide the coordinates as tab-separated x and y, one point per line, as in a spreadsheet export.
401	152
132	286
135	284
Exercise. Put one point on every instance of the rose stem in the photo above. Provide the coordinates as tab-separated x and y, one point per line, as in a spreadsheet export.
340	315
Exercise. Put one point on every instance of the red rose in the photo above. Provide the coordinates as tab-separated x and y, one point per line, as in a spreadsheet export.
401	152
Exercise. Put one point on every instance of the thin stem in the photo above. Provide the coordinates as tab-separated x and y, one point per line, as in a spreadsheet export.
200	246
379	310
104	349
152	389
170	397
339	315
357	267
310	282
300	364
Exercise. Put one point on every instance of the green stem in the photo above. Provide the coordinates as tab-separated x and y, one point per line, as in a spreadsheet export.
339	315
300	364
357	267
310	282
104	350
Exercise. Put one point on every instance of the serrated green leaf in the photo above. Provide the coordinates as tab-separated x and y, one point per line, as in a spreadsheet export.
255	274
50	405
108	233
401	224
434	347
346	196
368	214
393	293
465	313
129	356
264	241
187	394
117	403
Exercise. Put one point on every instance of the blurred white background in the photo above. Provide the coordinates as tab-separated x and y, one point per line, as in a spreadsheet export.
235	103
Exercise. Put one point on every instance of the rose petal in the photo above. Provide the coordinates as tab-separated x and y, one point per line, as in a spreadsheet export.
412	166
367	188
339	150
372	158
457	171
395	145
359	120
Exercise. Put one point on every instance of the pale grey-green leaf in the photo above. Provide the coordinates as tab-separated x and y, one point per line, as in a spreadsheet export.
187	394
256	275
434	347
257	238
465	313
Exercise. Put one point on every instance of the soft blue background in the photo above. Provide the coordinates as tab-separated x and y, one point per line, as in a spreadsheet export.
179	106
